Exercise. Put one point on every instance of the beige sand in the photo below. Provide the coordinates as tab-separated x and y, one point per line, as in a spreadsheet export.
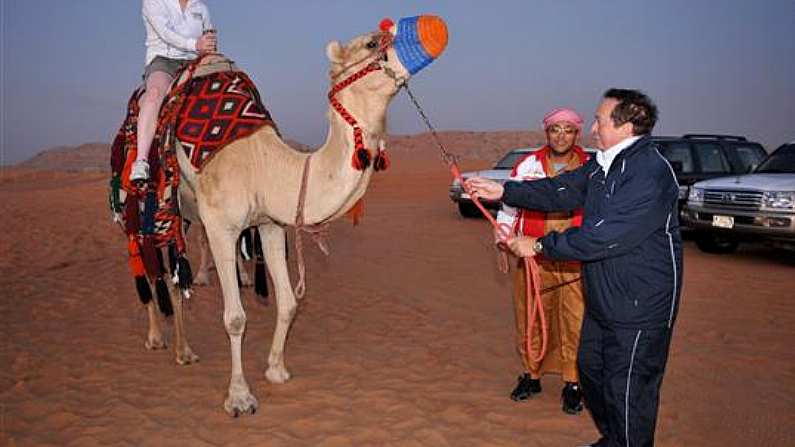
404	337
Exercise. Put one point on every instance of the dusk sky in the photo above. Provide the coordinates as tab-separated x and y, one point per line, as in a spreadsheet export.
717	66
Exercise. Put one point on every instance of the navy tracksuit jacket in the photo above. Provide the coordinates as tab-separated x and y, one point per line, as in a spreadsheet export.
631	253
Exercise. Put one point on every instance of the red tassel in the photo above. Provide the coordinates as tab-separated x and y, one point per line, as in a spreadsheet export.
381	161
356	212
386	24
361	159
135	261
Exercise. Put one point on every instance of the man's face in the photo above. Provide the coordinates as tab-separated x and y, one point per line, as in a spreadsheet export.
561	137
606	133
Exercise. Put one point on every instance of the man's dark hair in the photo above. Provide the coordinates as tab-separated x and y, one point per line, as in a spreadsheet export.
633	107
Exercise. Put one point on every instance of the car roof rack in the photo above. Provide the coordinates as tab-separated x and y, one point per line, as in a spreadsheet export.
707	136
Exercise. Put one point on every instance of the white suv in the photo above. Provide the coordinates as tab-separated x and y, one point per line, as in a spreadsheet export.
759	206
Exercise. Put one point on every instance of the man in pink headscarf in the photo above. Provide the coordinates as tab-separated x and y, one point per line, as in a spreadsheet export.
562	297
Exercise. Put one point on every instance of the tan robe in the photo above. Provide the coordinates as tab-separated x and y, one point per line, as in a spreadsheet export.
563	306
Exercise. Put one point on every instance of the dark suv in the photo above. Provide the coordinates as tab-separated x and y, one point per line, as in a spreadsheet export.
696	157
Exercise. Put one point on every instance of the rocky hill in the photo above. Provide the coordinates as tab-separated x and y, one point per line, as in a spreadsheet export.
468	145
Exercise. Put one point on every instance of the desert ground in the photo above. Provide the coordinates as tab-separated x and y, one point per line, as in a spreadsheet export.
404	338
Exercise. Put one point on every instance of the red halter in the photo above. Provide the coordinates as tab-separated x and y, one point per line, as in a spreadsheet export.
361	155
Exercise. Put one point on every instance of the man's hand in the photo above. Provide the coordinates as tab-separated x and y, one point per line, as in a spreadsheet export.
207	43
522	246
483	188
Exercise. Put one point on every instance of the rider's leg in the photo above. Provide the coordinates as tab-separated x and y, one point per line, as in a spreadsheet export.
157	84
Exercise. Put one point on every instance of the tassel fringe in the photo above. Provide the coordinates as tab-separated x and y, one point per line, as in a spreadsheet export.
260	275
183	273
361	159
135	261
163	297
381	162
144	292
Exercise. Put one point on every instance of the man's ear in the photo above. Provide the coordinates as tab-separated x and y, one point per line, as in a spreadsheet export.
335	52
627	129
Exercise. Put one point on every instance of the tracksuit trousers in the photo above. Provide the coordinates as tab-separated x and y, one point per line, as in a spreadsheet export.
621	371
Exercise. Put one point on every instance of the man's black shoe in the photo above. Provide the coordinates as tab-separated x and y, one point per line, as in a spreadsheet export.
602	442
571	398
525	388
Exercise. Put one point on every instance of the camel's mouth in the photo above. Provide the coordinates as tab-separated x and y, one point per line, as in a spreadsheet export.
419	41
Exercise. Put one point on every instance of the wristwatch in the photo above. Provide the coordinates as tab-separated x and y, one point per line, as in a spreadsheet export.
538	247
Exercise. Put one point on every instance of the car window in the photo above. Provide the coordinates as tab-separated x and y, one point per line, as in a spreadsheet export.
509	160
748	156
679	152
780	161
711	158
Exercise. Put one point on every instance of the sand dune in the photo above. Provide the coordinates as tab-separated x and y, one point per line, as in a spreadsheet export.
404	337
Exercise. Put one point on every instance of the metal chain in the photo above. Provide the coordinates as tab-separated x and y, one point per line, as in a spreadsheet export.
447	157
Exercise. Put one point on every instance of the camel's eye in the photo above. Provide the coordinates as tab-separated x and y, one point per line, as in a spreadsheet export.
371	45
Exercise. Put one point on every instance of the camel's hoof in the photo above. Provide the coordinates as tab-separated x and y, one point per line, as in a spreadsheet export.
276	374
186	357
241	405
154	344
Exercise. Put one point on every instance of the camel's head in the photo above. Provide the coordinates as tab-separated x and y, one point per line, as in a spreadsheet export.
400	50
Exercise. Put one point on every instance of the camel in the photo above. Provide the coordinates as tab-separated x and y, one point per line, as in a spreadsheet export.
260	180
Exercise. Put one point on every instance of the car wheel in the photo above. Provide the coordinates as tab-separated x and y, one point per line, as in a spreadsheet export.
468	210
716	243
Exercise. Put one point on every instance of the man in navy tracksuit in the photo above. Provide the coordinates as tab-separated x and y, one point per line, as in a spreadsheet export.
631	253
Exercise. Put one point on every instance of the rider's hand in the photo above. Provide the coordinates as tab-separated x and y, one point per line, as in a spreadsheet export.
483	188
207	43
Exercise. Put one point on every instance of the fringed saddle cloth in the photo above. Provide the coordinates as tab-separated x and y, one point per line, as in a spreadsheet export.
211	104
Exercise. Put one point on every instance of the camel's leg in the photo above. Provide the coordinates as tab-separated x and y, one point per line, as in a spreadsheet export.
205	261
245	281
154	338
184	354
223	243
273	243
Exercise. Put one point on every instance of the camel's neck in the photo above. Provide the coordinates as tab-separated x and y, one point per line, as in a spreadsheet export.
333	185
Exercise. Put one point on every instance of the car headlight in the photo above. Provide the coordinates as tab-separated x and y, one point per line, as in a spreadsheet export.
683	192
779	200
696	195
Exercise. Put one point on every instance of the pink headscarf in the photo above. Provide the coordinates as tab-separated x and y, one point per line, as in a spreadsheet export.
562	114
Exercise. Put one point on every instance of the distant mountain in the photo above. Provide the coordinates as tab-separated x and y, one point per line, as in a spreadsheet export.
86	157
468	145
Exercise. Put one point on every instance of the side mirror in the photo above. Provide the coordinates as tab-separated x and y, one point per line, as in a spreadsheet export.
677	167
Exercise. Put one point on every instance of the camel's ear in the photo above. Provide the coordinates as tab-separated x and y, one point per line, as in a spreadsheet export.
335	52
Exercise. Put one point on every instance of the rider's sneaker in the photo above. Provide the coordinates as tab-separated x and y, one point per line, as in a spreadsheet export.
139	171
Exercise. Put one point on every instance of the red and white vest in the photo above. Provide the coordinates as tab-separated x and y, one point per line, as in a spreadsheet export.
534	166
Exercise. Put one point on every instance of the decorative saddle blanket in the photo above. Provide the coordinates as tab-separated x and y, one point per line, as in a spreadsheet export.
218	109
210	105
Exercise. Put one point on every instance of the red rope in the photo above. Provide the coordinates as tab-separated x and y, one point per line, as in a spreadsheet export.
359	161
535	308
